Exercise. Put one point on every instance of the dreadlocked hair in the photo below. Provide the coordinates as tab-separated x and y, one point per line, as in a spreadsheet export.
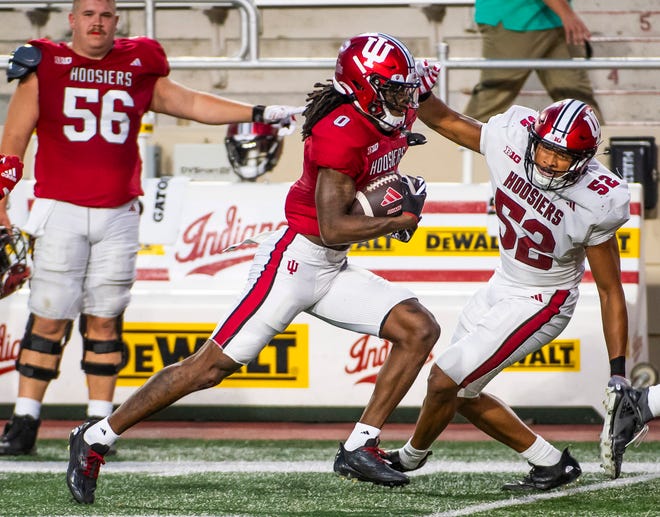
320	102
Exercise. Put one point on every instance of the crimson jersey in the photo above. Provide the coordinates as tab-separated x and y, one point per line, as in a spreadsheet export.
346	141
90	113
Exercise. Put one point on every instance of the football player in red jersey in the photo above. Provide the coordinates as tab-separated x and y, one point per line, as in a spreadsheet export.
85	99
356	129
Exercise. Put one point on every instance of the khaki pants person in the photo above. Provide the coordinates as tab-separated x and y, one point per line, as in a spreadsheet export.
498	88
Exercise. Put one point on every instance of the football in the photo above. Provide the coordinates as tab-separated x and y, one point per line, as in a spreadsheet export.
381	197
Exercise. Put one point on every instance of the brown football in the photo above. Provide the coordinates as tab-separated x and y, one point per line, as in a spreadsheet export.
381	197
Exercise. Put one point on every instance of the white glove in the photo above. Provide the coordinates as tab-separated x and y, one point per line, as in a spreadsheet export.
617	380
428	76
282	115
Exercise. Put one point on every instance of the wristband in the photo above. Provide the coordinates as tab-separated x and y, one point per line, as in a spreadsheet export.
618	366
424	96
258	113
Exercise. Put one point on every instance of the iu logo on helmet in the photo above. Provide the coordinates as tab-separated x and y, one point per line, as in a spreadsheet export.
591	120
375	50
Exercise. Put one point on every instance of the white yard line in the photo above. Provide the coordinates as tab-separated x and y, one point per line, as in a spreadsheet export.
529	499
175	468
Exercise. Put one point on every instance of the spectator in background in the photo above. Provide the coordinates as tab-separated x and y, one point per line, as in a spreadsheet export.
86	99
529	29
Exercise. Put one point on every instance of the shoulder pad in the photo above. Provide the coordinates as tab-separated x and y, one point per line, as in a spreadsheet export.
23	61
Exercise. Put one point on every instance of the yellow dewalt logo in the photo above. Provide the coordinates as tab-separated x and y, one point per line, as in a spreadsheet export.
629	246
283	363
432	241
152	249
561	355
462	242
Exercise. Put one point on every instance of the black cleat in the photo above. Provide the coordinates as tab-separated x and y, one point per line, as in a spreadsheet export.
547	478
366	463
20	436
84	463
626	414
393	458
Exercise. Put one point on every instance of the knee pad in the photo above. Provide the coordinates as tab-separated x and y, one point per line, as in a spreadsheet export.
42	345
103	347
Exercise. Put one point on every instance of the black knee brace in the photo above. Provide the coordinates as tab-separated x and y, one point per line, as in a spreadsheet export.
103	347
42	345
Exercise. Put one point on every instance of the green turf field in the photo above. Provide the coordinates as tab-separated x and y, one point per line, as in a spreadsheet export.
286	478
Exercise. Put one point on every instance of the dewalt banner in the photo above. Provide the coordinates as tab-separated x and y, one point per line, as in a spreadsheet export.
462	241
561	355
283	363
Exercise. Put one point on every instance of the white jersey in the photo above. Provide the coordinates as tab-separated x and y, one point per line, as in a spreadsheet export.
543	234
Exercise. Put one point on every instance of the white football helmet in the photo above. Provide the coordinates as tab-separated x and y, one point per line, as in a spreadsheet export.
570	128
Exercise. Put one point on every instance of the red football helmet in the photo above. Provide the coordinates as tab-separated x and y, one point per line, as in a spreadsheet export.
378	72
570	128
253	148
14	270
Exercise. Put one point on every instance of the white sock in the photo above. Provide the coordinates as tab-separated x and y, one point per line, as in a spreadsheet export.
541	453
99	408
25	406
409	456
100	432
654	400
361	433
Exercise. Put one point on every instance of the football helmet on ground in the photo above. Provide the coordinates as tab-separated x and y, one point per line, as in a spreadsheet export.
569	131
253	149
378	72
14	270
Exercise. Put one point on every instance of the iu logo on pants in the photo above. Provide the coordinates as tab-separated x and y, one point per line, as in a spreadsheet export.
292	266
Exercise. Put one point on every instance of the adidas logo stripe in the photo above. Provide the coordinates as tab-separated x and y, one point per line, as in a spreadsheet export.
10	174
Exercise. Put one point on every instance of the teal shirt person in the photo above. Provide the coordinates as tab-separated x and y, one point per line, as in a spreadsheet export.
516	15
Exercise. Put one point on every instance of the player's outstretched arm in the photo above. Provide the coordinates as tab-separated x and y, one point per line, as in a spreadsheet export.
180	101
458	128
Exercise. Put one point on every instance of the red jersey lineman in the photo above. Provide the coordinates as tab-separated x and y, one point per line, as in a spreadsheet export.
92	109
85	99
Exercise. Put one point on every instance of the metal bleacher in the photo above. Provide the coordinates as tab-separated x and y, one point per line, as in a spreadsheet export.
263	41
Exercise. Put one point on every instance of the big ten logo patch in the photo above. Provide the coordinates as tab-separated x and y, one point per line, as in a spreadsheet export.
282	363
443	241
561	355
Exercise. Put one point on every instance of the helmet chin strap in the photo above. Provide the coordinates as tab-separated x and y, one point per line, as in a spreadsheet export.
411	138
414	138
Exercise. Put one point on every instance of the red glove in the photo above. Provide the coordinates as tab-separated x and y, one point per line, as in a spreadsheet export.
428	76
11	170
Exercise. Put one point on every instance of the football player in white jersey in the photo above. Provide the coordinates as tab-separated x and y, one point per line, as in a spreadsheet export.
556	206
